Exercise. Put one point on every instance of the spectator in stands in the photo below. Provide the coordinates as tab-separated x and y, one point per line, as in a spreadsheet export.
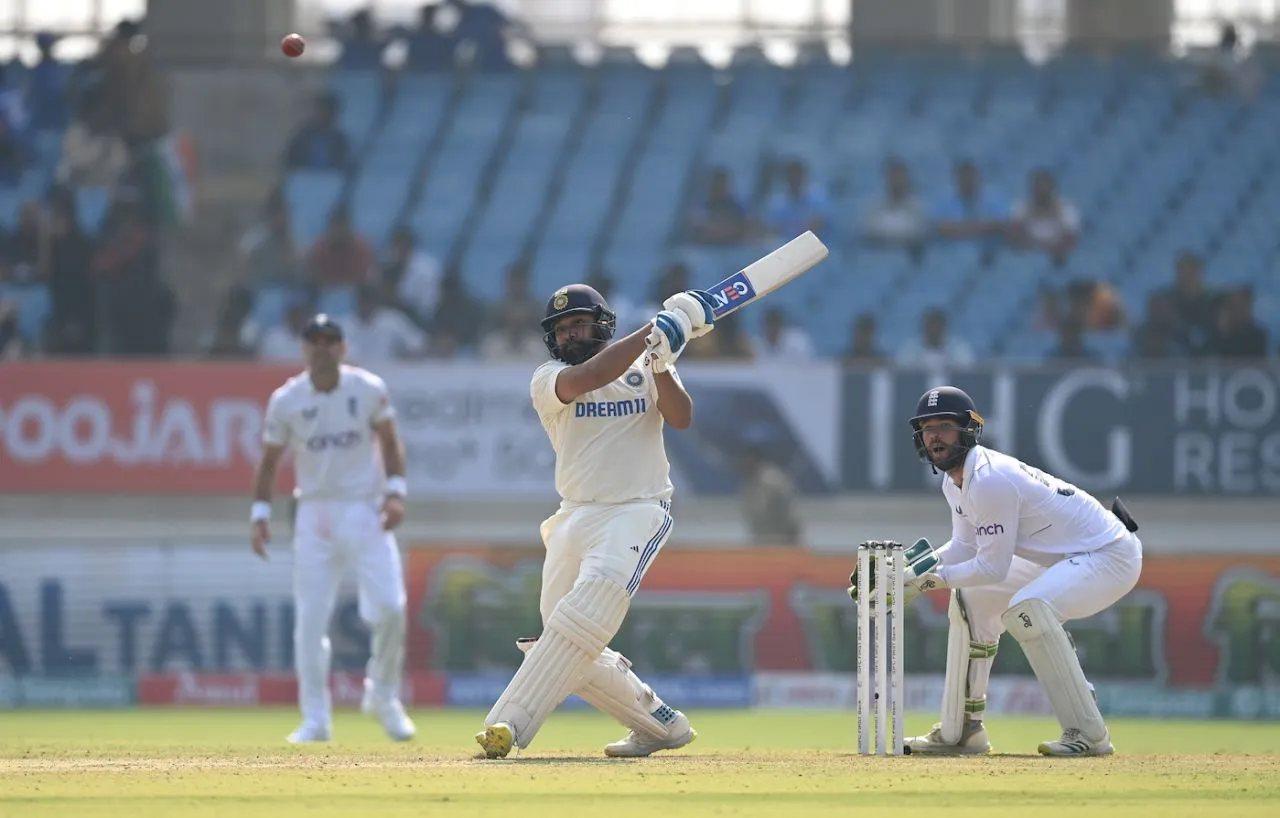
722	218
934	348
628	315
1160	336
319	143
340	257
484	30
378	333
1195	305
362	45
14	133
727	343
515	340
970	210
281	342
768	496
898	220
1226	69
782	341
411	276
673	279
227	342
518	302
94	153
801	205
458	319
1045	221
27	253
10	339
1071	345
47	85
864	348
72	328
430	48
1048	308
136	87
267	251
1095	304
1237	334
137	306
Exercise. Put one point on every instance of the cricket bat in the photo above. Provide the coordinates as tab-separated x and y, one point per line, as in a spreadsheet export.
763	276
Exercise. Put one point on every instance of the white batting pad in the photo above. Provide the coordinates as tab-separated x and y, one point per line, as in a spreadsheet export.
576	633
612	687
386	655
1049	652
957	676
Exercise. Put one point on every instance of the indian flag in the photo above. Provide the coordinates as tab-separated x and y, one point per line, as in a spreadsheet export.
171	173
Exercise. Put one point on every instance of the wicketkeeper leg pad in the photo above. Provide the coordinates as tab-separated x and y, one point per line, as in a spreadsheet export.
1049	652
575	634
955	682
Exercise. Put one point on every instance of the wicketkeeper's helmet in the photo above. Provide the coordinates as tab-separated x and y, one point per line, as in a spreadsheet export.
948	402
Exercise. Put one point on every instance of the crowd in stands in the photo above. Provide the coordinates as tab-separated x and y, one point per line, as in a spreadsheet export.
85	194
90	213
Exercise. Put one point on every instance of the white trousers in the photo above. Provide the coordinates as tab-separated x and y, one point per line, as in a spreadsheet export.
1074	588
331	536
615	541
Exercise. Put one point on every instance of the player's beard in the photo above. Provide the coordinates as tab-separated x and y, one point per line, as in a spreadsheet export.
576	352
951	456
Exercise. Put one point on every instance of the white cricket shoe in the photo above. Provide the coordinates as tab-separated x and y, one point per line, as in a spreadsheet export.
497	740
309	732
636	745
1074	743
973	741
390	713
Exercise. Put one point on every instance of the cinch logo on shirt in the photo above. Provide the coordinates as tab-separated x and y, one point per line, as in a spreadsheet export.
342	440
610	408
990	530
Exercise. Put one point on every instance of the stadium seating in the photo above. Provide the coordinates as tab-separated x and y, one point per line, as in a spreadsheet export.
578	167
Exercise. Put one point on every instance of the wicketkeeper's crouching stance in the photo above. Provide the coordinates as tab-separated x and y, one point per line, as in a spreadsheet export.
603	406
1027	553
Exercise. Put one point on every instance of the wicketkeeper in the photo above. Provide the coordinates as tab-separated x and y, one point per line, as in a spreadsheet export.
1027	553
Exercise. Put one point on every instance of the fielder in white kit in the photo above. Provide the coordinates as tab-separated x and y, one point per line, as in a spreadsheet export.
339	424
603	406
1027	553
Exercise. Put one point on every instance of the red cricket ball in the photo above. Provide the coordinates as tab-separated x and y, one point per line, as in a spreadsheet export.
293	45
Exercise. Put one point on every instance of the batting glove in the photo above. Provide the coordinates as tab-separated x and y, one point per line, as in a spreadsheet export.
671	330
697	307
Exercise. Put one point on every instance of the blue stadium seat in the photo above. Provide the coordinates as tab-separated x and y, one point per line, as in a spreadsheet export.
311	196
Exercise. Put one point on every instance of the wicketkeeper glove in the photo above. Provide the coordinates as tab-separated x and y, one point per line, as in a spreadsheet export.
919	577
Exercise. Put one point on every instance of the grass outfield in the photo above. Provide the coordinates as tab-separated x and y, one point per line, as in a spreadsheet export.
139	764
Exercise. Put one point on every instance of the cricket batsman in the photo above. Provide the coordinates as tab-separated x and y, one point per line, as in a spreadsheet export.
339	424
603	404
1027	553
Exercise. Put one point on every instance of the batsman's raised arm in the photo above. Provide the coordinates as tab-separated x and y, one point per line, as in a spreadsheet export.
674	402
606	367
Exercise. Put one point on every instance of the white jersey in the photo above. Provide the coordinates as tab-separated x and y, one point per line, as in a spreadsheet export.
608	442
336	453
1007	508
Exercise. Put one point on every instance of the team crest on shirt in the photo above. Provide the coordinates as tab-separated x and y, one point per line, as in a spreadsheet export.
560	300
634	379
